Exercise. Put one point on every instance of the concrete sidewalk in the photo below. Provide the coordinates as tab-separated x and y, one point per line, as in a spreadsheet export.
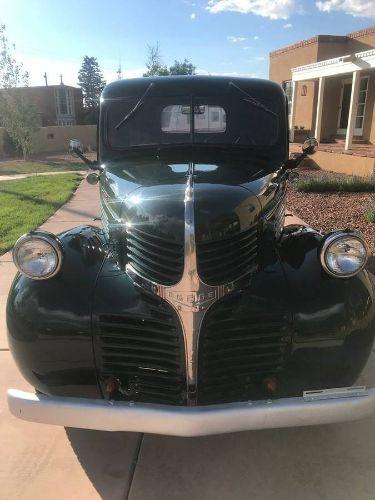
39	462
14	177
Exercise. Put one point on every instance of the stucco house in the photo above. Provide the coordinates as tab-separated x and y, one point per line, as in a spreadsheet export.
330	85
57	105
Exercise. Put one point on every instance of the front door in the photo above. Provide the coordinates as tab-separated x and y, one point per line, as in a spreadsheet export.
346	90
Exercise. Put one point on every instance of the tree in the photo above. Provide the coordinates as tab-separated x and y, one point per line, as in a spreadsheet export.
154	63
90	79
12	73
182	68
19	118
156	67
17	115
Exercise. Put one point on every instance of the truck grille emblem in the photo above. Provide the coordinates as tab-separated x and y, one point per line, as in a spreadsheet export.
190	297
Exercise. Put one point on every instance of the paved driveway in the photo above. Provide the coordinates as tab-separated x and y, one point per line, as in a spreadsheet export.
43	462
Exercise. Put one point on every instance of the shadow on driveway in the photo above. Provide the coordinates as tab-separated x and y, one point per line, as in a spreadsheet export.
108	459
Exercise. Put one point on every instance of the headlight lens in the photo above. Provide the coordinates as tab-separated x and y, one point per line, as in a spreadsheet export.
38	255
344	254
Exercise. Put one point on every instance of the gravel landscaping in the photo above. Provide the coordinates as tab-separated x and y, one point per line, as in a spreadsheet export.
328	211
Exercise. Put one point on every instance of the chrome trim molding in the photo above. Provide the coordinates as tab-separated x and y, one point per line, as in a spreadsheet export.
190	297
336	235
50	238
106	415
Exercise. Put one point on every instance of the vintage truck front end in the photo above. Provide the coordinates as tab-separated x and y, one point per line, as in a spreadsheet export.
192	311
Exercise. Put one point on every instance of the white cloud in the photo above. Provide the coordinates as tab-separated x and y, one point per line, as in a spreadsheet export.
236	39
356	8
288	25
193	16
273	9
256	37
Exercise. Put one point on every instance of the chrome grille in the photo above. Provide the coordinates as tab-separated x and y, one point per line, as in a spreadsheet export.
145	354
237	353
155	258
226	260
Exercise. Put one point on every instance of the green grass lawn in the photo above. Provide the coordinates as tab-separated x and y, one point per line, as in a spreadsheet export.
326	184
26	203
32	167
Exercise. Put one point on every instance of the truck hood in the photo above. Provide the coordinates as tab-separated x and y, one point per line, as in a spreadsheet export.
227	198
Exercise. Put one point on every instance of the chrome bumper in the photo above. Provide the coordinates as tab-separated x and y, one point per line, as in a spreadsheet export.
315	407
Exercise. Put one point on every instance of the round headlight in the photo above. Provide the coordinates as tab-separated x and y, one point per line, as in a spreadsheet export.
344	254
38	255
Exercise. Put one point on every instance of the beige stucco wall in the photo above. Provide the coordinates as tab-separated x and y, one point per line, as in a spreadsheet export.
281	64
49	139
57	138
343	163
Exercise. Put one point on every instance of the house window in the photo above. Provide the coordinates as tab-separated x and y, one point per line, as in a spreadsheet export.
288	89
64	101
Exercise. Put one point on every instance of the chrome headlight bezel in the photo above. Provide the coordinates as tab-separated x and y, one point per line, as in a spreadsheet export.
331	238
46	237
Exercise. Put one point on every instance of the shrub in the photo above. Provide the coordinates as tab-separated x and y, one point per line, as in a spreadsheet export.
370	215
326	184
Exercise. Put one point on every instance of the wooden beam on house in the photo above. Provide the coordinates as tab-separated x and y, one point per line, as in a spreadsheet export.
352	110
319	109
293	112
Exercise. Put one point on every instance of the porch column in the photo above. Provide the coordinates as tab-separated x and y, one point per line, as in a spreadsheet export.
293	112
352	110
319	109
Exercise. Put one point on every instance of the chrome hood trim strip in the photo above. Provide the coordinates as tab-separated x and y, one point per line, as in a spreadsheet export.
190	297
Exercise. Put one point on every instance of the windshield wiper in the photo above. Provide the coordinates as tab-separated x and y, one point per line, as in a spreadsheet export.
251	100
136	107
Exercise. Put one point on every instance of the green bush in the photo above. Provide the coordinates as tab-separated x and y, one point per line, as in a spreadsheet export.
370	215
324	184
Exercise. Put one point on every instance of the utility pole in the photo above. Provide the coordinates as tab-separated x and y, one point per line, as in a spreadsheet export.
61	80
119	72
45	77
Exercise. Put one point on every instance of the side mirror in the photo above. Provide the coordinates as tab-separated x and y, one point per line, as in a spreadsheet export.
309	146
92	178
76	149
75	145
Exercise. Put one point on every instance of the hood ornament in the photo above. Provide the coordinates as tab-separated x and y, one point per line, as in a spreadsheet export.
190	297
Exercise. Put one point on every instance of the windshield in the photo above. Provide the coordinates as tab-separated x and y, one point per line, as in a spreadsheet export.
221	120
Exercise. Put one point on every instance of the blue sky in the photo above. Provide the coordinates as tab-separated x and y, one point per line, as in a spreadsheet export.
218	36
